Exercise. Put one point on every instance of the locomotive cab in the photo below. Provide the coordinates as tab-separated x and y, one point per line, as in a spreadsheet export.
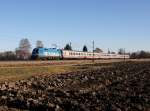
35	53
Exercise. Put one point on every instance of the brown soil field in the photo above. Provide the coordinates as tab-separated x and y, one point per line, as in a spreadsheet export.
119	86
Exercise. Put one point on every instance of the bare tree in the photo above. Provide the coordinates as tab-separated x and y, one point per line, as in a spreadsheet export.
121	51
23	52
39	44
112	52
98	50
140	54
8	55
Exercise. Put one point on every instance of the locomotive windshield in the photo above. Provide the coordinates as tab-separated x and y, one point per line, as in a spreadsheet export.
35	51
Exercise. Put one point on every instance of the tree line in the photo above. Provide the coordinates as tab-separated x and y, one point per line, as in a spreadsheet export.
23	51
140	55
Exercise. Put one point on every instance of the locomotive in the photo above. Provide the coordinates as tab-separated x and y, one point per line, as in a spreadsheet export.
53	53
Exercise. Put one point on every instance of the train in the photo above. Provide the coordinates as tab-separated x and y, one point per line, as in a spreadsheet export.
59	54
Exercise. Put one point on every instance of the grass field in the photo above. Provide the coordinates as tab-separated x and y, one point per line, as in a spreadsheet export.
16	70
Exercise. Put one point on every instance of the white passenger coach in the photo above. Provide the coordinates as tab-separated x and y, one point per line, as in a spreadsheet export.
89	55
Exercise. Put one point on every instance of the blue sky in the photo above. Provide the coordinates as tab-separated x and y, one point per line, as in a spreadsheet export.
111	24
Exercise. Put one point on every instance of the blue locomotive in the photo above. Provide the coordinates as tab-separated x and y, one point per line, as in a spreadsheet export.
46	53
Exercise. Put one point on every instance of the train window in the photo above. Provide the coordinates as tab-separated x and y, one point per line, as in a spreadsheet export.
46	49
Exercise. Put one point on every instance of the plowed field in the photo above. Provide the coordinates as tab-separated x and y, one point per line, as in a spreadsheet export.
120	87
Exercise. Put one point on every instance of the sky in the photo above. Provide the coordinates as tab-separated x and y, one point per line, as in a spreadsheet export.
111	24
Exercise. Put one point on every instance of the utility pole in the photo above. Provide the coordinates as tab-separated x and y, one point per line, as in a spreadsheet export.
70	45
93	51
108	51
124	54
